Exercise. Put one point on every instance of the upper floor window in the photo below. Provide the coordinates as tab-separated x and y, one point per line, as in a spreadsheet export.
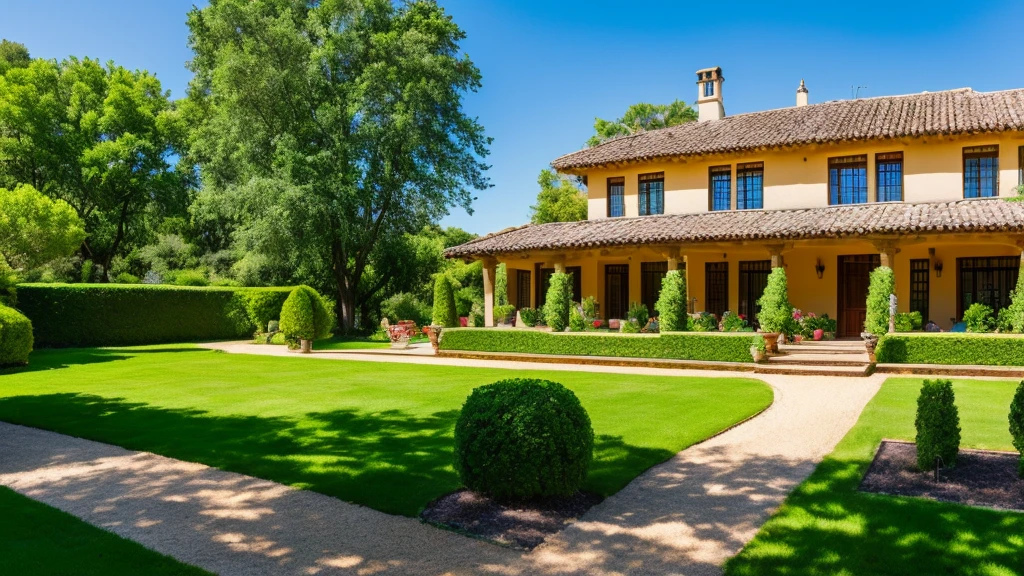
652	193
981	171
750	186
848	179
720	188
889	174
616	197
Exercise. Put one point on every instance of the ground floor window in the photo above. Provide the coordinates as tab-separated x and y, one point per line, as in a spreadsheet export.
716	288
544	282
651	274
920	287
616	290
753	280
522	289
986	280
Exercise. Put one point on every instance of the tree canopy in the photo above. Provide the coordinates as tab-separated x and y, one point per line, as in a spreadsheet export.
13	55
327	131
99	138
35	229
560	199
641	117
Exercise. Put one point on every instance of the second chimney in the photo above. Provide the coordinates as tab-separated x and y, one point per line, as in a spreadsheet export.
709	94
801	94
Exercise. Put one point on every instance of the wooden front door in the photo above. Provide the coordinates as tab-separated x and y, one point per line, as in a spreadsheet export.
854	273
616	290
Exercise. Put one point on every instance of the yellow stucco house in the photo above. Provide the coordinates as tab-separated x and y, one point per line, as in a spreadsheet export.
917	182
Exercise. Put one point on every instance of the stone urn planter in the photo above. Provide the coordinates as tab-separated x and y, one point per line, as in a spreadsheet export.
870	343
756	354
771	342
434	335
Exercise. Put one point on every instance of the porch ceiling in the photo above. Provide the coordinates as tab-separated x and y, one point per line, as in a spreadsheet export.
864	221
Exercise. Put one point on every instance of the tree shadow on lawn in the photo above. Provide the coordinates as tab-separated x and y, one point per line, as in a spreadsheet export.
392	461
57	358
827	526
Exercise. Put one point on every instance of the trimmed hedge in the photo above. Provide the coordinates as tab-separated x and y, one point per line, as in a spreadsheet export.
445	313
128	315
304	315
937	424
523	439
15	337
951	348
733	347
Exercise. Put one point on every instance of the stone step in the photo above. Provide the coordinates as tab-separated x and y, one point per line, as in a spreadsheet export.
816	370
821	359
816	348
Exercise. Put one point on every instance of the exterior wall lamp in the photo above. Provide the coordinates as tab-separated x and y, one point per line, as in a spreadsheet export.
820	269
938	268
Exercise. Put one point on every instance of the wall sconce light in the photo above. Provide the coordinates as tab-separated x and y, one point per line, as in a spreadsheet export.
820	269
938	268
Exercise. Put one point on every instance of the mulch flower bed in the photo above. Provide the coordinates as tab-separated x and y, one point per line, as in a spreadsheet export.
522	525
980	478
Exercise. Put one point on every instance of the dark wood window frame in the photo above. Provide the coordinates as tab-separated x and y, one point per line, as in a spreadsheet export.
749	177
753	279
836	180
980	153
620	183
716	288
613	309
544	282
1004	269
651	193
886	176
920	287
719	176
523	289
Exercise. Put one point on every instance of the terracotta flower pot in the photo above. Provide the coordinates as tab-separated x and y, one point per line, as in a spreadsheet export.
771	342
434	334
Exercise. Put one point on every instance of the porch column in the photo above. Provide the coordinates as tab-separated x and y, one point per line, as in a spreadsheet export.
776	252
559	267
887	250
490	269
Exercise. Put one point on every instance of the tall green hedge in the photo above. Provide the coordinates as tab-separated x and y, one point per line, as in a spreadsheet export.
881	285
672	304
15	337
672	346
65	315
445	313
951	348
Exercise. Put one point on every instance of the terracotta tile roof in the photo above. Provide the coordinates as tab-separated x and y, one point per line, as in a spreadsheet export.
986	215
949	112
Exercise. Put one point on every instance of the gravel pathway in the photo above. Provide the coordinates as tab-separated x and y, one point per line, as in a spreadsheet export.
685	516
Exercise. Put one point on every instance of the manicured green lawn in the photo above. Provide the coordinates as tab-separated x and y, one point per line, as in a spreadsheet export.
38	539
349	343
827	527
378	434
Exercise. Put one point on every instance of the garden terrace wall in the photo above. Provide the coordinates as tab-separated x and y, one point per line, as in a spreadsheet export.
951	349
66	315
702	346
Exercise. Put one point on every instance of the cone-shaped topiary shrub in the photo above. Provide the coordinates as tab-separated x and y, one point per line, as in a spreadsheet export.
558	302
938	425
445	313
523	439
577	323
305	315
672	304
776	313
1017	423
882	284
15	337
1015	311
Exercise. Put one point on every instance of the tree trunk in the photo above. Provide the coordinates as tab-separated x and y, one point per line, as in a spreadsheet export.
346	308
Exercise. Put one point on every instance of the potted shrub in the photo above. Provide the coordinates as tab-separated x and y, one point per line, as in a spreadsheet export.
558	301
776	314
758	350
503	314
305	317
671	304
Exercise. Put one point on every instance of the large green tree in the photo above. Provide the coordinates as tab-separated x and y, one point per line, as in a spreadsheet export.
35	229
641	117
560	199
13	55
98	137
327	130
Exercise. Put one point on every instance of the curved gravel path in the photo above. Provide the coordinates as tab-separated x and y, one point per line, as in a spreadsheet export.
685	516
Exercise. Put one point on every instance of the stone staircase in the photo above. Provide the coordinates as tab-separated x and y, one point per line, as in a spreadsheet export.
823	358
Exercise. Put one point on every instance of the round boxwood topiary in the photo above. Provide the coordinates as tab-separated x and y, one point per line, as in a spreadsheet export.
304	315
15	337
523	439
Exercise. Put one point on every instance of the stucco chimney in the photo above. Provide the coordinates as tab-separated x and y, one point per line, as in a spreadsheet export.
801	94
709	94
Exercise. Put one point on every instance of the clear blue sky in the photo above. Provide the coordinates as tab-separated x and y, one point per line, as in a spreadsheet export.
550	67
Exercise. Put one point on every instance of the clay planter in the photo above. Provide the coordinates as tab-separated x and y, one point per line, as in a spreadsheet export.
870	342
771	342
756	354
434	334
305	346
